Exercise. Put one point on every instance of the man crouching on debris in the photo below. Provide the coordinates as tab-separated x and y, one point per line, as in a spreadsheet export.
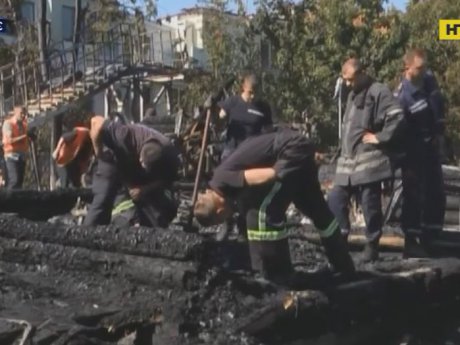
148	164
266	173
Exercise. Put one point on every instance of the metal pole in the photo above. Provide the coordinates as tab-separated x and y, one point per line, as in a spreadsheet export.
141	101
199	169
106	103
33	152
338	95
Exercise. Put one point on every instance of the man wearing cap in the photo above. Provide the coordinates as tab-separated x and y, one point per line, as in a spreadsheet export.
148	165
15	146
74	152
264	175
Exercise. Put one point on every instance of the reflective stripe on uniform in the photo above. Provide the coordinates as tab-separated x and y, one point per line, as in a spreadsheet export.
122	206
267	235
329	231
264	233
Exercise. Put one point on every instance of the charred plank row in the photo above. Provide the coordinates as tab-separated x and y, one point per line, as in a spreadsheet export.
36	205
335	307
161	243
149	271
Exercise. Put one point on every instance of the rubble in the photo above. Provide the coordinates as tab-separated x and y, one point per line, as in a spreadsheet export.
110	285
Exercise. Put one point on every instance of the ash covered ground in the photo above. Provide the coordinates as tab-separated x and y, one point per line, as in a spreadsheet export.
65	284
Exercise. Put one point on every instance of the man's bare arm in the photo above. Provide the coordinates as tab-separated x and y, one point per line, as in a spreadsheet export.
259	176
95	133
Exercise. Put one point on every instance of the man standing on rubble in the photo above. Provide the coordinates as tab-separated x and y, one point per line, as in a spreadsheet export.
373	121
148	165
424	198
246	116
264	175
15	146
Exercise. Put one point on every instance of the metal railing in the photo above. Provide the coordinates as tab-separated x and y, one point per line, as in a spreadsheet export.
74	68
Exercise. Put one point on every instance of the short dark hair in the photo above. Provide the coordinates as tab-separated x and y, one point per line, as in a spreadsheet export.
205	212
354	63
412	53
151	153
250	77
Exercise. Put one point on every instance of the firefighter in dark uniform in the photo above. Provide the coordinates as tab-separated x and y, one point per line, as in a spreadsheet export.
246	116
373	123
148	165
265	174
74	153
424	198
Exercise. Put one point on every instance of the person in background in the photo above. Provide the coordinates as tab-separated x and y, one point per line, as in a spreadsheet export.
247	116
16	146
424	199
373	122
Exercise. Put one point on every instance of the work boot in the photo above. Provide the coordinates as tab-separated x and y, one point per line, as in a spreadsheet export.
337	252
413	248
371	251
242	229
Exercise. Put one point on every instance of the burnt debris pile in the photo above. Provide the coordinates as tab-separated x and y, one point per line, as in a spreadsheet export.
65	284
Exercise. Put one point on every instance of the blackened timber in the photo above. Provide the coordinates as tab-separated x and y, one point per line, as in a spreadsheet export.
408	287
36	205
143	241
148	271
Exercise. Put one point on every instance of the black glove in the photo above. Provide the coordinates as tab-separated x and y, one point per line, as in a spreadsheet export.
32	133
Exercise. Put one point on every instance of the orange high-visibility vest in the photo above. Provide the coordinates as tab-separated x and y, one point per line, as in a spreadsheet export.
20	146
69	150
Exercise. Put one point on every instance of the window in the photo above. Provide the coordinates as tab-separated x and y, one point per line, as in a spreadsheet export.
28	11
68	20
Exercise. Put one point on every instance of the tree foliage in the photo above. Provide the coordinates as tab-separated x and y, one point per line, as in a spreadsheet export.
310	39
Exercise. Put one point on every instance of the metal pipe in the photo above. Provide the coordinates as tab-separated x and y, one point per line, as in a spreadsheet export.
199	169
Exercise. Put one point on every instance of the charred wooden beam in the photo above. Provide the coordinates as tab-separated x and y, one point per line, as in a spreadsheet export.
418	286
143	241
149	271
36	205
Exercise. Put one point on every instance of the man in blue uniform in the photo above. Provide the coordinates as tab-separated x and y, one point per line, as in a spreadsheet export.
423	190
264	175
372	122
246	116
147	164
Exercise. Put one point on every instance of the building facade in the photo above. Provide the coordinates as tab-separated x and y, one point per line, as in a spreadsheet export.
189	25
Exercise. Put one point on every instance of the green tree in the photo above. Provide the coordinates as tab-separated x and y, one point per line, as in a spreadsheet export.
312	38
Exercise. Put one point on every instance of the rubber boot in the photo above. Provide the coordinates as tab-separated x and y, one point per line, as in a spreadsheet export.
337	252
371	251
414	248
242	228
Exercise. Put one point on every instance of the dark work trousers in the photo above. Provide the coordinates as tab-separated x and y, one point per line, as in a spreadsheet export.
69	175
424	199
266	216
105	186
241	219
157	209
369	197
15	169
